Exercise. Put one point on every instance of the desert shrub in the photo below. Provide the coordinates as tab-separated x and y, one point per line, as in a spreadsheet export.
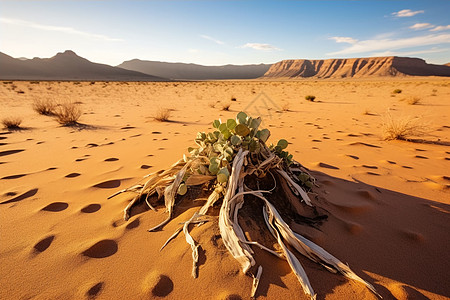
285	106
44	106
226	106
401	128
413	100
310	98
68	113
162	114
397	91
12	122
212	104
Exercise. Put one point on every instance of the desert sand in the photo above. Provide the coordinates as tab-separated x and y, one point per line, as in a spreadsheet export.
388	202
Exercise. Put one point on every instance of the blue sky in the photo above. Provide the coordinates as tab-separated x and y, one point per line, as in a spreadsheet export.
226	32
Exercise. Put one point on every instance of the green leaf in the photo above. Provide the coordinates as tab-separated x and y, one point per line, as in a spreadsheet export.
226	134
213	168
242	130
216	123
223	174
282	144
303	177
182	189
236	140
241	117
264	135
223	127
254	124
231	124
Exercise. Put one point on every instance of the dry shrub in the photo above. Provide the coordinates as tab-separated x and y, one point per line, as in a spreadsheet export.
310	97
397	91
68	113
413	100
162	114
285	106
226	106
401	128
12	122
212	104
44	106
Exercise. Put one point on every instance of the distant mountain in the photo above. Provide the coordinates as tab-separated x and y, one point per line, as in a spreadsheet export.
195	72
355	68
65	66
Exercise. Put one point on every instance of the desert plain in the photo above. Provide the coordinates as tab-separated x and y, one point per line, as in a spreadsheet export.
387	201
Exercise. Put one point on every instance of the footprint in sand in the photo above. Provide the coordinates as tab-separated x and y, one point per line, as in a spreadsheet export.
128	127
101	249
133	224
43	244
373	174
327	166
407	167
353	228
420	156
80	159
400	291
412	236
91	208
9	152
111	159
145	167
157	285
25	195
56	207
369	167
72	175
94	290
364	144
14	176
352	156
110	184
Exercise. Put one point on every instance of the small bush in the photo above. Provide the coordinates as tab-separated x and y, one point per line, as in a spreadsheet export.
413	100
12	122
226	106
162	114
233	99
401	128
44	106
285	106
68	113
212	104
397	91
310	98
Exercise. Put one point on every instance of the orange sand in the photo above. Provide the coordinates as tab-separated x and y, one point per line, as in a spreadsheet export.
388	201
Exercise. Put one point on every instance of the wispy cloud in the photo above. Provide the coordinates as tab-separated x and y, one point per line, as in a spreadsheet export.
407	53
439	28
342	39
368	46
261	47
67	30
419	26
407	13
207	37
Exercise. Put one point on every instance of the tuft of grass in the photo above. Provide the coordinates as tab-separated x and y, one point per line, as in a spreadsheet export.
212	104
162	114
285	106
68	113
397	91
226	106
44	106
310	97
12	122
413	100
401	128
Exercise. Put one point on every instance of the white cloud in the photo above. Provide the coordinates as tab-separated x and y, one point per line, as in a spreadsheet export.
407	53
419	26
392	44
341	39
407	13
439	28
212	39
259	46
58	29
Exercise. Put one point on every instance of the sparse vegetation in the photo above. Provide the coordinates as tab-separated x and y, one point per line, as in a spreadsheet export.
162	114
226	106
44	106
285	106
413	100
233	163
397	91
212	104
12	122
68	113
233	99
310	97
401	128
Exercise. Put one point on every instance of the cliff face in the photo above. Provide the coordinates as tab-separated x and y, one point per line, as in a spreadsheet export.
355	68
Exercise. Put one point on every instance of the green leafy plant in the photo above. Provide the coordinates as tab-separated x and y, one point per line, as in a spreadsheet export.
233	162
310	97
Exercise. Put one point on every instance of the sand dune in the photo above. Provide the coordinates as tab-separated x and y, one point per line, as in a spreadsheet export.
355	68
387	202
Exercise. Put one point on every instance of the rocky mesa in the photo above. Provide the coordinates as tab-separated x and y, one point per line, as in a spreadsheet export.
355	68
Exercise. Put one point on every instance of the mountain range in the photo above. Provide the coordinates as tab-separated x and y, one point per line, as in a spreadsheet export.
69	66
